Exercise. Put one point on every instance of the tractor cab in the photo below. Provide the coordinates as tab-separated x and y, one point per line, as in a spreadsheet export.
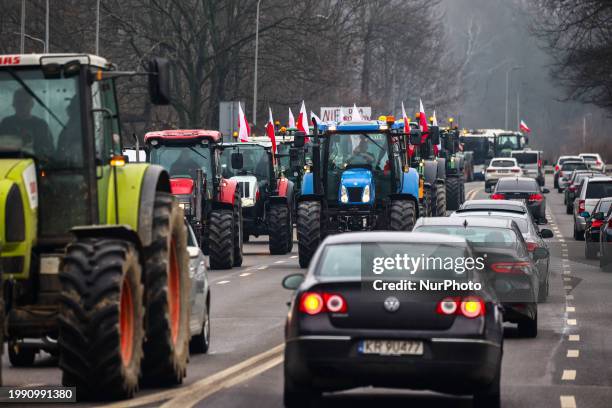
505	142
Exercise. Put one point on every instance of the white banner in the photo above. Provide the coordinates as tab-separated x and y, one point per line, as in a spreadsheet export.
339	113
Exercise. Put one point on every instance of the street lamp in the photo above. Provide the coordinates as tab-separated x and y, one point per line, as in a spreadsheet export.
256	58
98	28
514	68
23	19
31	37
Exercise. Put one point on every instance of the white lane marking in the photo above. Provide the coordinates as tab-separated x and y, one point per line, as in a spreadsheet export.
567	401
293	256
567	272
279	262
569	297
569	375
561	240
567	279
244	274
567	287
262	267
574	337
564	245
570	309
223	282
573	353
572	322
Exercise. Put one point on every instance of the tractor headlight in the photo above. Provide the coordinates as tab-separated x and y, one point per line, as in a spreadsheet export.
365	197
247	202
343	195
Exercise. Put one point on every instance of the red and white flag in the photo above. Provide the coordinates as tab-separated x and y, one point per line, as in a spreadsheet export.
271	131
355	115
407	131
291	120
524	127
422	118
437	147
302	122
244	131
315	117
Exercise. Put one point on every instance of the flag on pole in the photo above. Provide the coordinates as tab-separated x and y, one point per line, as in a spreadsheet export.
423	118
356	115
437	147
271	131
244	131
291	119
315	117
302	123
407	131
524	127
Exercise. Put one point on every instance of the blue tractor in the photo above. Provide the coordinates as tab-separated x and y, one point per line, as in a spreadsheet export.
358	181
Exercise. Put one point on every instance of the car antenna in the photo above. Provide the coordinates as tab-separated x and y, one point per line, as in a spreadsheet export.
465	223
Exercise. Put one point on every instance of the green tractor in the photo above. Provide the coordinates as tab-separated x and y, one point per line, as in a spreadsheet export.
93	249
455	166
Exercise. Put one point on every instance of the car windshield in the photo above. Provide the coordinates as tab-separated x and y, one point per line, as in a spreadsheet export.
573	166
599	189
604	206
41	117
503	163
183	160
526	158
255	162
333	263
478	236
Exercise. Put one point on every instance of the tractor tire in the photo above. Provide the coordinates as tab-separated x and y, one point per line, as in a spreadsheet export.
1	323
167	289
453	193
430	202
237	230
440	200
221	239
309	230
279	229
402	215
101	321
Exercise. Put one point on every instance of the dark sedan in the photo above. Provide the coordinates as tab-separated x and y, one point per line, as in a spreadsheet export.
526	190
510	269
592	230
345	331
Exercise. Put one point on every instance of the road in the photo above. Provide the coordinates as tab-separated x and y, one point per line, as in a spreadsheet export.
568	365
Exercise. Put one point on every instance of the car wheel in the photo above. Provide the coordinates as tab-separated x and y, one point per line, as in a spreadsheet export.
490	396
200	343
298	396
590	250
556	183
528	327
543	291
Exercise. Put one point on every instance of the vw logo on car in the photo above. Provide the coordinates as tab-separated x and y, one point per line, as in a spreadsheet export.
391	304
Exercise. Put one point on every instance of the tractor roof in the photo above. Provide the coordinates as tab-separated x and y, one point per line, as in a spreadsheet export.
354	126
24	60
184	134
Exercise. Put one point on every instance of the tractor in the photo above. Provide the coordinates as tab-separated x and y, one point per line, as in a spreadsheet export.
504	142
267	199
211	202
455	163
357	182
93	249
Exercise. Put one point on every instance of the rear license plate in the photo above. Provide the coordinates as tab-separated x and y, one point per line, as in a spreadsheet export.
502	171
391	347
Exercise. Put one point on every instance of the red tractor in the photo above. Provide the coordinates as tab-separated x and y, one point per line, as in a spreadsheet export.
211	203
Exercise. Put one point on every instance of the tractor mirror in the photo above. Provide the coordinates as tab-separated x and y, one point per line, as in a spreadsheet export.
299	139
159	81
434	132
237	161
415	137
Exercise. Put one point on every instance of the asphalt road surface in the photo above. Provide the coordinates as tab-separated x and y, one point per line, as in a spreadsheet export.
568	365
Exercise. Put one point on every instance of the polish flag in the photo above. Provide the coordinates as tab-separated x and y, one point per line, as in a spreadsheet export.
244	131
291	119
407	131
437	147
271	131
524	128
356	115
423	118
302	122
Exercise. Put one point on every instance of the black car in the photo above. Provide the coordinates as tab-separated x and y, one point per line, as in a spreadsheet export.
526	190
533	235
510	269
342	332
593	227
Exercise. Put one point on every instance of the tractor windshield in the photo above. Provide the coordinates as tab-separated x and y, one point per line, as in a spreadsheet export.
508	142
183	160
41	117
255	162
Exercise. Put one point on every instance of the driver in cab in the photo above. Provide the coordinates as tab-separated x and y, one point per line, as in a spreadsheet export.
361	155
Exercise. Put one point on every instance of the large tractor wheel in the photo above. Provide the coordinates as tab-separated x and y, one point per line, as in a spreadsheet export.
221	239
168	285
101	319
1	323
309	230
440	200
453	193
21	356
280	230
237	229
402	215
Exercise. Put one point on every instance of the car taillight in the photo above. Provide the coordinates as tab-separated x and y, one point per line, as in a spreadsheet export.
313	303
596	223
535	197
556	167
514	268
498	196
257	195
470	307
598	163
490	170
516	170
539	162
531	246
581	206
572	188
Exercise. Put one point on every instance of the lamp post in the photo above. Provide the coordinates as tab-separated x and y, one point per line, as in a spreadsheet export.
23	19
98	27
256	58
47	27
514	68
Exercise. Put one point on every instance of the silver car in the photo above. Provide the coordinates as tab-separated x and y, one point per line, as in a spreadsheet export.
199	298
592	190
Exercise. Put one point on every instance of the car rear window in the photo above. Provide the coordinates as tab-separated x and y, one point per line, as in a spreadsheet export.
521	222
589	158
566	159
477	236
516	186
526	158
495	206
502	163
599	189
573	166
333	263
604	206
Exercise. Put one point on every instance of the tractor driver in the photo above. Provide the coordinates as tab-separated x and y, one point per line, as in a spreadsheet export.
361	155
33	131
184	165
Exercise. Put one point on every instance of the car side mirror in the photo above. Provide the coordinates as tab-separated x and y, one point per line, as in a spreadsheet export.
299	139
585	214
546	233
540	253
159	81
545	191
292	282
237	160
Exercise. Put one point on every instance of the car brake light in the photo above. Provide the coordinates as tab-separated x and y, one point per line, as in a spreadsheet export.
490	170
539	162
470	307
598	163
448	306
516	170
514	268
257	195
531	246
311	303
334	303
581	206
596	223
498	196
535	197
